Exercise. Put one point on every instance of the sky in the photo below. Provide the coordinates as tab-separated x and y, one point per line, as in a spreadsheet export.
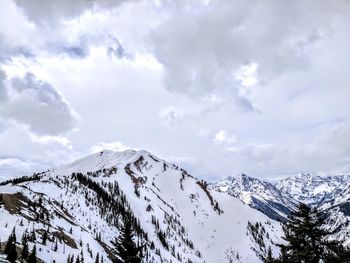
218	87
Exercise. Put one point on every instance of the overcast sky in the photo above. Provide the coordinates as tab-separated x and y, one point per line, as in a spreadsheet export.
219	87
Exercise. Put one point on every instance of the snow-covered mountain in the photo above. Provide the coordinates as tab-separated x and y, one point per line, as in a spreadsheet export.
311	188
258	194
329	194
81	206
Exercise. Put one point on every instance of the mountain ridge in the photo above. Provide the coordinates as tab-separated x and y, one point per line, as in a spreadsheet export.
181	219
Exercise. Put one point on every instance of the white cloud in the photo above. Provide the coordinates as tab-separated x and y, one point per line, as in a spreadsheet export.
223	137
266	70
64	141
112	146
171	116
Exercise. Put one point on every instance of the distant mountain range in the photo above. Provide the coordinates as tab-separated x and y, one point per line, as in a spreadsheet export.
329	194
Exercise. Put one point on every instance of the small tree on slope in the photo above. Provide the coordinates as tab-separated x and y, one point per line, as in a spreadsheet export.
32	256
10	248
125	248
305	240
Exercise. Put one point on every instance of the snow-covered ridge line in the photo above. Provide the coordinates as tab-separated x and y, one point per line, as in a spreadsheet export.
182	219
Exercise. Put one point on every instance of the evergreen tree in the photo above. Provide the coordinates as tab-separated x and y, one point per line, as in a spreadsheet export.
9	243
125	247
12	255
305	240
25	251
269	258
10	248
32	256
55	248
97	260
33	236
44	237
14	235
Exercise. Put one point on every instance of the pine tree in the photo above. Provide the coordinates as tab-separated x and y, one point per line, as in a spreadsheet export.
125	247
10	248
9	243
33	236
44	237
305	239
12	255
97	260
25	252
55	248
269	258
32	256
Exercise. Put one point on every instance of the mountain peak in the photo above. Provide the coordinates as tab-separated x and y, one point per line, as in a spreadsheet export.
105	159
311	188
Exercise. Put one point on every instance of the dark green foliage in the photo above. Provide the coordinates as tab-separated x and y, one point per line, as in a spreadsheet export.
55	248
12	254
113	205
10	248
258	233
32	256
22	179
162	239
305	240
10	241
44	237
125	247
25	252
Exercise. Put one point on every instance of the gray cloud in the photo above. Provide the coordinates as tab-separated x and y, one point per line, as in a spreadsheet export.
202	46
52	11
13	167
37	104
8	51
3	91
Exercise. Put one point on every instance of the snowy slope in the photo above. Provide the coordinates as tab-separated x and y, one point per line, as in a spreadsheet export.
185	219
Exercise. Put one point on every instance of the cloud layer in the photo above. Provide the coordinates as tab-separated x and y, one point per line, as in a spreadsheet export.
220	87
35	104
